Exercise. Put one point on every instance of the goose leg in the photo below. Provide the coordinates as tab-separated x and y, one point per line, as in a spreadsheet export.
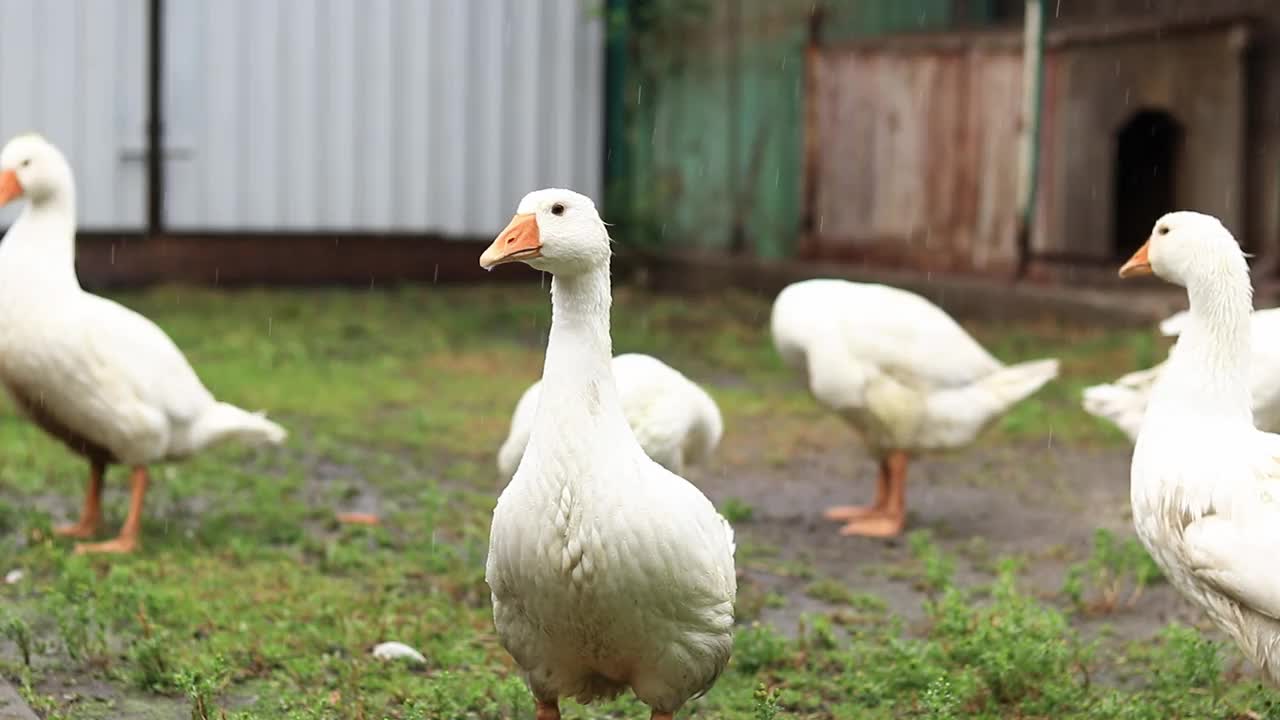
889	520
662	716
128	539
849	513
548	711
358	518
91	515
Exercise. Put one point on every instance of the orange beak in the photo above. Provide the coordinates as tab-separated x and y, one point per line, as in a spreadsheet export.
518	241
1138	265
10	188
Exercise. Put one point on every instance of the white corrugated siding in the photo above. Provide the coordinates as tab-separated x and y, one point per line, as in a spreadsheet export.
377	115
75	71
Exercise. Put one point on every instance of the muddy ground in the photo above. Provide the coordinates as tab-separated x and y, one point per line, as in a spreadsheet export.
1041	503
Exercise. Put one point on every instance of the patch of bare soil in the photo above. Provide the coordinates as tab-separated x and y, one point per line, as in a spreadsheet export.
91	698
1041	503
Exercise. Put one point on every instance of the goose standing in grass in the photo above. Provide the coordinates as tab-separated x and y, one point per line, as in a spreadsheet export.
607	570
901	372
97	376
1205	482
675	421
1123	402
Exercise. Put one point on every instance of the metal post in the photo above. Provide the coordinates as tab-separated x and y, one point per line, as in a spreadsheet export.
155	126
1029	150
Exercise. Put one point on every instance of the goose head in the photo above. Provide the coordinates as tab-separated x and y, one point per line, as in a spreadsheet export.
1184	247
554	230
33	168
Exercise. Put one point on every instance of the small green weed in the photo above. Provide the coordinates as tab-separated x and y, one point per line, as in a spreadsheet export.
1098	585
1194	661
18	632
758	647
940	701
74	604
830	591
202	685
936	566
736	511
765	703
1018	649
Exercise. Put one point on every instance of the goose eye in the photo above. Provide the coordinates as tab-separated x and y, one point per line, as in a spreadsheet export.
557	209
1163	230
26	162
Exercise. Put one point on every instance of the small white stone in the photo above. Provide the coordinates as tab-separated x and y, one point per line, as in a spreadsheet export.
398	651
14	577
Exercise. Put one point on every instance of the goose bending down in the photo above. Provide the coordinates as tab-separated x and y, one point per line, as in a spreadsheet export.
97	376
1124	401
901	372
607	570
1205	482
675	421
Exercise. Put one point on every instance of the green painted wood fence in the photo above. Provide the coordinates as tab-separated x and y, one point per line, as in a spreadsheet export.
707	110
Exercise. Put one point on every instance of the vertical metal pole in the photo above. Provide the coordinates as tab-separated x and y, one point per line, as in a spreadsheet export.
155	125
1029	151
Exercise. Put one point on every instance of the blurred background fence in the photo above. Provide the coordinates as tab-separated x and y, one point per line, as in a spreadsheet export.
379	140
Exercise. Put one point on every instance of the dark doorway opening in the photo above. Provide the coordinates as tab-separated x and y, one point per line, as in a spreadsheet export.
1146	172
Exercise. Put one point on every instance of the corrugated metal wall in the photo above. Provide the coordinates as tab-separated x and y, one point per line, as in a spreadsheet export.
377	115
75	71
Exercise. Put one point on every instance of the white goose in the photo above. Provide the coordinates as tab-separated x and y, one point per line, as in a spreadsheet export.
901	372
1205	483
1123	402
99	377
607	570
675	421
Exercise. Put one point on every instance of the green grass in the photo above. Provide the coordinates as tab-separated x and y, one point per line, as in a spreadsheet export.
248	599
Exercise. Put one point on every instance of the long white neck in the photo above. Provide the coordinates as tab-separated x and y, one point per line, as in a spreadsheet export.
579	402
40	248
1208	372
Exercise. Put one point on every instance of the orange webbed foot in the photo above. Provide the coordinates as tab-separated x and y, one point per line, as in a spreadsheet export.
876	526
358	518
80	531
847	513
119	546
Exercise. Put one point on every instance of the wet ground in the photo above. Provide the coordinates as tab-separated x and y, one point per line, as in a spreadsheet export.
1021	495
1040	503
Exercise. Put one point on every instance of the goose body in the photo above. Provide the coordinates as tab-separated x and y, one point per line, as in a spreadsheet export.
675	421
1205	482
101	378
607	570
1123	402
901	372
